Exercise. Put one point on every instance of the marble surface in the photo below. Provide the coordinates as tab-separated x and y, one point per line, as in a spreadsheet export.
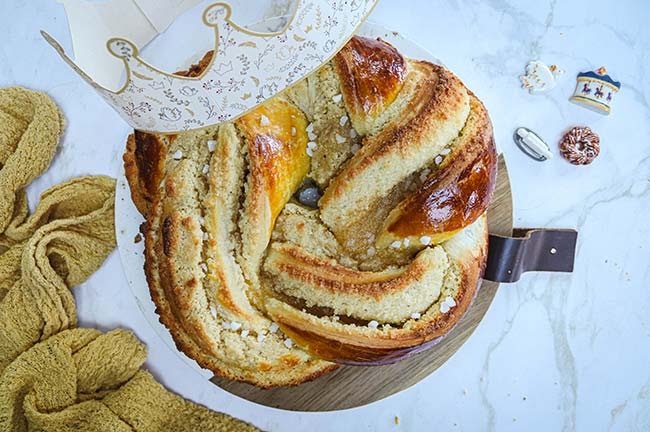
555	351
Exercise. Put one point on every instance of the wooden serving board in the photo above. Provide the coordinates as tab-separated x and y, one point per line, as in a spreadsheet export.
353	386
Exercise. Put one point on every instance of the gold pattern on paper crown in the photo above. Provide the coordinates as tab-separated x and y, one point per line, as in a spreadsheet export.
247	68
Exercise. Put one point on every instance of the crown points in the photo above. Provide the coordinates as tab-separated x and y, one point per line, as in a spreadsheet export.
250	67
215	13
122	48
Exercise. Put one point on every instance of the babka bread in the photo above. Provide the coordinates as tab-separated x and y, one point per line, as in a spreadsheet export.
380	252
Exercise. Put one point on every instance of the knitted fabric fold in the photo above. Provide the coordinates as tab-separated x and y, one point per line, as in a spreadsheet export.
53	376
83	380
71	236
30	128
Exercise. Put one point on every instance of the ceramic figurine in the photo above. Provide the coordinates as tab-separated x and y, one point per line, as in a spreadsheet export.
595	90
539	77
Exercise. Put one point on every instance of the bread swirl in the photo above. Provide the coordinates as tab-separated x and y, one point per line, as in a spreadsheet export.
391	258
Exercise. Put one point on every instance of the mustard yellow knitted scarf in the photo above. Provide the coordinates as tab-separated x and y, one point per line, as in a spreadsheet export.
54	376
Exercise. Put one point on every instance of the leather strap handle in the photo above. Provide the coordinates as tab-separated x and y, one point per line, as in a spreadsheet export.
530	250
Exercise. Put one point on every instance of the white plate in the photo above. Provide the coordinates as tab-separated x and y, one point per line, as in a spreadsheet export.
128	219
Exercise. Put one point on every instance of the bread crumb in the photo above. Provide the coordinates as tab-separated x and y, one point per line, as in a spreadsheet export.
396	420
137	238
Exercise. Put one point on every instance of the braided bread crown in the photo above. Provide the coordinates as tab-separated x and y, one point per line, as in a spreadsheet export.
260	288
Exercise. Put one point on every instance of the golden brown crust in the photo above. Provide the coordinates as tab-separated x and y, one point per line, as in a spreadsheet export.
372	74
145	154
143	166
437	97
277	150
459	192
170	194
433	113
173	242
350	346
338	279
193	340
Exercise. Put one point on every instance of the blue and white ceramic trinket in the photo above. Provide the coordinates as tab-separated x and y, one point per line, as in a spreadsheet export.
595	90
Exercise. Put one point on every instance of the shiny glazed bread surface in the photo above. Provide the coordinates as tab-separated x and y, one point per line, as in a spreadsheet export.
405	157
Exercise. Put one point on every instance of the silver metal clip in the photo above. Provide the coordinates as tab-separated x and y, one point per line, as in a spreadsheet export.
531	144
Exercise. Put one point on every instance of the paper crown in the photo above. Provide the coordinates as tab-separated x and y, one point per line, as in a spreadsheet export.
247	68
